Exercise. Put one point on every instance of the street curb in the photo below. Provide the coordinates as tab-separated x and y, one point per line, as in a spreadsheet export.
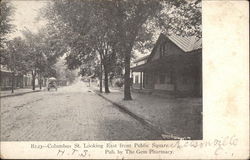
19	94
156	129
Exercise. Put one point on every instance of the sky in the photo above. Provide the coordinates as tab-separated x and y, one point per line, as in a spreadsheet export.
25	16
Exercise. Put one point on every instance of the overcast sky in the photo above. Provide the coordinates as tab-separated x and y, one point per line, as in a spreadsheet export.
25	16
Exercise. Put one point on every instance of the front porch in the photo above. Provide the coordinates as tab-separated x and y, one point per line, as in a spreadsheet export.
174	76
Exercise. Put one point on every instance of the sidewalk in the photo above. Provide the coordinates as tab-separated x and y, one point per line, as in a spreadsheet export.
178	117
17	92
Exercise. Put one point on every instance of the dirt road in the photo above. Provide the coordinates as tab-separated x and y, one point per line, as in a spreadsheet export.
72	113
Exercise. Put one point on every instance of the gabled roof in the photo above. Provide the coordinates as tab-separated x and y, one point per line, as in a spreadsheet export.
141	59
187	44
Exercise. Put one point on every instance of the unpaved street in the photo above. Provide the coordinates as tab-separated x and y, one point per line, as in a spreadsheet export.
72	113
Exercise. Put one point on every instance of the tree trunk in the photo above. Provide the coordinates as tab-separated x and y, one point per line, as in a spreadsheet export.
12	82
45	82
127	57
106	79
127	93
33	81
22	81
111	81
100	84
40	82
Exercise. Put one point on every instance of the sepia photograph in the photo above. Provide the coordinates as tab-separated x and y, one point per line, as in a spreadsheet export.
101	70
124	79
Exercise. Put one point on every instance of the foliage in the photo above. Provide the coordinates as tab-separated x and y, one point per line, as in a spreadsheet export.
119	83
6	10
35	53
92	38
16	55
5	19
43	51
63	73
112	30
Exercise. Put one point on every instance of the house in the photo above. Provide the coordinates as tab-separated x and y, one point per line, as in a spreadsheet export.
5	78
138	76
19	80
174	67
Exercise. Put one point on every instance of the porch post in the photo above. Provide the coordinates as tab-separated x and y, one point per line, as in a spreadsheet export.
140	80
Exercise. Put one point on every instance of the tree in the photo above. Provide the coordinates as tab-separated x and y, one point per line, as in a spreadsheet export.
90	35
15	59
117	25
5	19
5	28
133	14
41	54
63	73
16	49
34	55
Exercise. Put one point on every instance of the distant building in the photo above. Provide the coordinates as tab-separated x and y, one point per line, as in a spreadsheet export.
174	67
5	78
20	81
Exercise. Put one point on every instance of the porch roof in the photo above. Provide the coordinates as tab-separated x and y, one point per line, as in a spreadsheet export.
167	62
154	65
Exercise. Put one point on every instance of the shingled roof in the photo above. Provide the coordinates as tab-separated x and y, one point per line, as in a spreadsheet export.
187	44
141	59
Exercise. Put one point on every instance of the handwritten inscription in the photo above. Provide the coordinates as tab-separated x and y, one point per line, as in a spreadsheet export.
82	150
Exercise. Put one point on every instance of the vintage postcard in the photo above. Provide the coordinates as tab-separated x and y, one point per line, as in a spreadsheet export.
124	79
